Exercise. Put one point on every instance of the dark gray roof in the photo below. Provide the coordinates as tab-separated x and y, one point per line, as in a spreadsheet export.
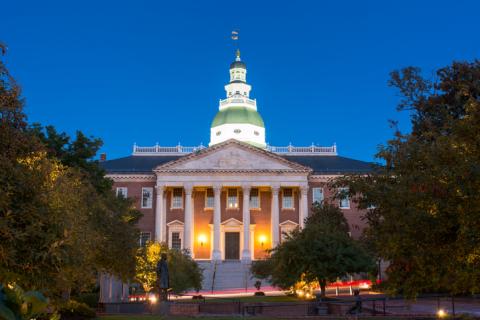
331	164
238	64
136	164
319	164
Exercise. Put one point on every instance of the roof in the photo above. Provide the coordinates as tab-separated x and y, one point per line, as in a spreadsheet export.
238	64
136	164
320	164
238	115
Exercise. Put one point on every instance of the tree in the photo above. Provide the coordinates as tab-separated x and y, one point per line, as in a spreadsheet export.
321	252
184	272
425	216
60	223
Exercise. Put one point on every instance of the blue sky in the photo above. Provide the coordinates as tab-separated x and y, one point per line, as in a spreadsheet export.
153	71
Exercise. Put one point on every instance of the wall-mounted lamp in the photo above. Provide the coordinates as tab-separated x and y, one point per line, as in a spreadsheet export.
262	240
202	239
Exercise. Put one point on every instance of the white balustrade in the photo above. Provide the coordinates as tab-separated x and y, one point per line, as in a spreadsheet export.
286	150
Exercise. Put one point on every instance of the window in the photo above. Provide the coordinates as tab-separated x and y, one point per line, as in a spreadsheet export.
237	131
176	241
144	238
122	192
287	198
232	199
254	199
219	133
147	195
286	230
256	133
177	198
317	195
345	200
209	199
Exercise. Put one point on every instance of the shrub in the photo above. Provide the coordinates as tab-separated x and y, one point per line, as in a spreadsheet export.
90	299
76	310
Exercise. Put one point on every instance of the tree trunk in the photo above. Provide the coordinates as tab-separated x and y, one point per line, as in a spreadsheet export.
323	287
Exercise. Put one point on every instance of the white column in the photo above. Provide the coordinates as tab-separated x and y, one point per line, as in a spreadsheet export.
246	255
216	253
275	221
303	203
188	223
159	215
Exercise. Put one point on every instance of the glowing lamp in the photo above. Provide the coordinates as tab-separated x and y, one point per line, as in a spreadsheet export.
152	299
202	239
262	240
441	313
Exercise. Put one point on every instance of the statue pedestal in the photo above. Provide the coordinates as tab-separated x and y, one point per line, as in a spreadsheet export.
160	308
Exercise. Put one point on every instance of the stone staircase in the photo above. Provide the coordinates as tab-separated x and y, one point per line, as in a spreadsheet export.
227	275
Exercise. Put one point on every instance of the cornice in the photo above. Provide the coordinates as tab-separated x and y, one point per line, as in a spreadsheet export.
125	177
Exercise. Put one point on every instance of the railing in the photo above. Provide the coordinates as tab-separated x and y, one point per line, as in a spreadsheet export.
288	150
245	100
304	150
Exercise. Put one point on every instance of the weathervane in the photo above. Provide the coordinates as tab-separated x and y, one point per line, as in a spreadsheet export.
235	37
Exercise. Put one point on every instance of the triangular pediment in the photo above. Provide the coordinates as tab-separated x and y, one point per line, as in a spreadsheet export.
232	155
232	222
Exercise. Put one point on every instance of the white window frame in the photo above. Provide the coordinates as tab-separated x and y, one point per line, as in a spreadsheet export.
180	237
124	191
212	204
175	226
141	237
321	193
286	227
172	199
292	199
236	206
258	207
149	200
347	199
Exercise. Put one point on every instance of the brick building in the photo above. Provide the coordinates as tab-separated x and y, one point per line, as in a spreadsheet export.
232	200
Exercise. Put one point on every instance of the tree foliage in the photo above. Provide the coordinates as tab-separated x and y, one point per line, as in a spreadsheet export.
426	216
321	252
60	223
184	272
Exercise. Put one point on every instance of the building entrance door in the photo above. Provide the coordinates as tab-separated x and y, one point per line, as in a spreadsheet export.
232	245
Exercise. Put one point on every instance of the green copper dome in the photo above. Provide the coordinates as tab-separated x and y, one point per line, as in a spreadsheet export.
238	115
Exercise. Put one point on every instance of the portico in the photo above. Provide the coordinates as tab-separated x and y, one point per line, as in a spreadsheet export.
214	202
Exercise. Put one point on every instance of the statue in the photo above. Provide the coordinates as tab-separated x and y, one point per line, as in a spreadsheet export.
162	277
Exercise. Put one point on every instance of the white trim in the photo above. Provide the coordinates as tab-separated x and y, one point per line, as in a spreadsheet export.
231	225
287	226
131	177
